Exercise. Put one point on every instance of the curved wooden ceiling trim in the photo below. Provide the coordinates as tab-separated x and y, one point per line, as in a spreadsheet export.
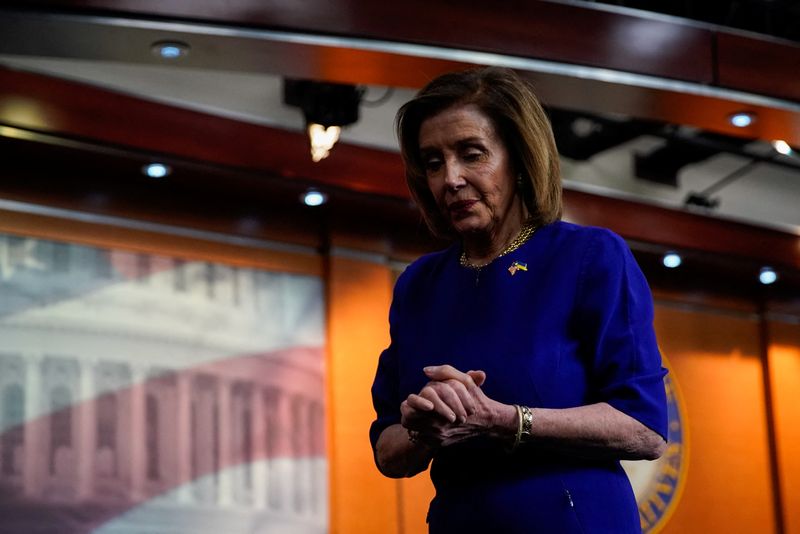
582	57
539	29
759	65
60	107
98	118
597	35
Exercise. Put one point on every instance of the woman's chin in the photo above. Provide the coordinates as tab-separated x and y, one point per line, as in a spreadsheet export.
468	226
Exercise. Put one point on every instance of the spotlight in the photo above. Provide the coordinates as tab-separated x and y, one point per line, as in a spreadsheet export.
170	50
672	260
782	147
312	197
326	108
156	170
742	119
322	140
767	276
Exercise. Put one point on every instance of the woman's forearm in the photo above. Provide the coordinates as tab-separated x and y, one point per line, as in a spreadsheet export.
593	431
597	431
399	457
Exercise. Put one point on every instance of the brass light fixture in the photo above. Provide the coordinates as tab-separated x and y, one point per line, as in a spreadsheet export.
326	107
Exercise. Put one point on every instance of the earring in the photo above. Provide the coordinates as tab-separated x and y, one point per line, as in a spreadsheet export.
519	180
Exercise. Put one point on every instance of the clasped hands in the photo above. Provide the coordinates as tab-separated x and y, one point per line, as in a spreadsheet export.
451	407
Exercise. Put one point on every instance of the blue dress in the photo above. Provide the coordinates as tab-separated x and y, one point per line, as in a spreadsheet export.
572	326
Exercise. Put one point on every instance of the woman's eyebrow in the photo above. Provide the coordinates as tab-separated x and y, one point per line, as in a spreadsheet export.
470	141
466	141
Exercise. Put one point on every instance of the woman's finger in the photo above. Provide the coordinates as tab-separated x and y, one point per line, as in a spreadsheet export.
441	373
416	402
439	405
451	397
466	398
417	412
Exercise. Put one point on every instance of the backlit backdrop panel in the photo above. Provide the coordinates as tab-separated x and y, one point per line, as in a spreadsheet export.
143	393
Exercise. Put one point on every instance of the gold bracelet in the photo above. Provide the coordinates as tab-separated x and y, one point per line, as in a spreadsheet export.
526	426
518	437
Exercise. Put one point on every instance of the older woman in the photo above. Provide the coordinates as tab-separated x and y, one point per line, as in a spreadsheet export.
523	361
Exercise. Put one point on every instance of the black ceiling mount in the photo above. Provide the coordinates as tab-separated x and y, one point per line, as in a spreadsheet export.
328	104
663	164
580	136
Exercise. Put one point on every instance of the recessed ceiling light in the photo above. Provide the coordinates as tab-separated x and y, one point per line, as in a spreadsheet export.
742	119
782	147
170	50
672	260
156	170
767	276
312	197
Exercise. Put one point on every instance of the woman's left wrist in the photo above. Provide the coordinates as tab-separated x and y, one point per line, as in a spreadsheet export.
505	424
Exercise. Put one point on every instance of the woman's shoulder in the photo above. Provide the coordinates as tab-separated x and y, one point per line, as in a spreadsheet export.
595	255
566	236
566	229
431	263
429	266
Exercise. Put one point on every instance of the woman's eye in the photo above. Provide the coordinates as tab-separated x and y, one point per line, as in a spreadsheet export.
473	155
433	165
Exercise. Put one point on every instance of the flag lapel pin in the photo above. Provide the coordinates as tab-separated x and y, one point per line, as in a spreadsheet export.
517	266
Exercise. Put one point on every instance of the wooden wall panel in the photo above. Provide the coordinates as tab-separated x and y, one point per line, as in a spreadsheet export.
715	360
417	493
152	242
784	356
359	294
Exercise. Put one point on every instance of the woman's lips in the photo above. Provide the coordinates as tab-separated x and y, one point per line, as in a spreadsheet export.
460	205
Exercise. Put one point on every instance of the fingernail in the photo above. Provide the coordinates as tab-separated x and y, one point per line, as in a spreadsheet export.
427	369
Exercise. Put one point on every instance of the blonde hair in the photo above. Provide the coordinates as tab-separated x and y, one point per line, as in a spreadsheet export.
520	121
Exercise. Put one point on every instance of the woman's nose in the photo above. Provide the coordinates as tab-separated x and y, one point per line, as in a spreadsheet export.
454	177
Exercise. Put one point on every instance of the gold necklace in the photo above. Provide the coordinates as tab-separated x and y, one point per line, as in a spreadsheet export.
525	233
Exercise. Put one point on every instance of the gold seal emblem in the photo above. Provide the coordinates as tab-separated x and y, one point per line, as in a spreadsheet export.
658	485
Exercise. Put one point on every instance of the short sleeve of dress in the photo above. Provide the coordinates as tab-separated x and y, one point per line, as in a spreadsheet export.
615	322
385	387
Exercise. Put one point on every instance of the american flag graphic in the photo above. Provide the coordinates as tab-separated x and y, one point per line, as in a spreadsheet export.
147	394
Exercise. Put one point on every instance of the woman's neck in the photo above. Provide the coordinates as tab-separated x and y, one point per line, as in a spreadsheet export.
481	248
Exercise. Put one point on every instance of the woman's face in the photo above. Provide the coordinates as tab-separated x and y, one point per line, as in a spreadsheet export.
469	170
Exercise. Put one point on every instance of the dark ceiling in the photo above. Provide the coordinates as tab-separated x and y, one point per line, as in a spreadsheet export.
776	18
